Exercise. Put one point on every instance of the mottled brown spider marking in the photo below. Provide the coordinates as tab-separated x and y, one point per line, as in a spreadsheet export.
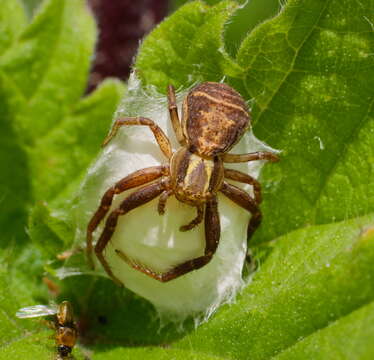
210	133
214	116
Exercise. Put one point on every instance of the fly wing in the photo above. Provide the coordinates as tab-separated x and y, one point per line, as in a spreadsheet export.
36	311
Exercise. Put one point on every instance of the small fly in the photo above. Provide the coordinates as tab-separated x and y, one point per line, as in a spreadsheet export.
63	323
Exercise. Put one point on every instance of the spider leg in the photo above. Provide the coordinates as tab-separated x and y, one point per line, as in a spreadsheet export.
245	201
162	201
196	221
212	235
135	179
247	179
134	200
258	155
159	135
173	110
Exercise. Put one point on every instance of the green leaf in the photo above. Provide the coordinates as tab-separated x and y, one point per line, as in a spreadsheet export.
175	4
246	18
43	225
311	75
42	114
152	353
16	335
31	6
49	135
189	35
12	22
56	75
349	338
14	189
21	286
62	157
60	161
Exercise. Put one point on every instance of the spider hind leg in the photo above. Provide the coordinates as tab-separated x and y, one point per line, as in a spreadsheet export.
212	235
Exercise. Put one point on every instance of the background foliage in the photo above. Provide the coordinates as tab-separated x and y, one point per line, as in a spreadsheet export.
309	74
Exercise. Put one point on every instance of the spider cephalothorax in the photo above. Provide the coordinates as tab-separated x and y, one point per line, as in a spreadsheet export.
214	118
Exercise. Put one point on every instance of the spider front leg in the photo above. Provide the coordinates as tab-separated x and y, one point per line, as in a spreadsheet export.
159	135
173	110
134	200
212	235
258	155
135	179
245	201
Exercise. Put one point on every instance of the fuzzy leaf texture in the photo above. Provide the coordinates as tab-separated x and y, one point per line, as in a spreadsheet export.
44	66
309	75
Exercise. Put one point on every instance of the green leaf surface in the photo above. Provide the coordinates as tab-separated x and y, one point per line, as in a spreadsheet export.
308	74
43	225
14	189
45	73
189	35
42	114
311	74
31	6
349	338
12	21
175	4
17	333
246	18
62	157
152	353
49	135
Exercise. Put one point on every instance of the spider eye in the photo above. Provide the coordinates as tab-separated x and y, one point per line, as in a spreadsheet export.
64	350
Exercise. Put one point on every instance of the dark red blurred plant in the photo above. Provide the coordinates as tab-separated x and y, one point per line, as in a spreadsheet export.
122	23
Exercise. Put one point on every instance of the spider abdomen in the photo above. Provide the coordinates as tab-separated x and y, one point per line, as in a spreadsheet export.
195	179
214	118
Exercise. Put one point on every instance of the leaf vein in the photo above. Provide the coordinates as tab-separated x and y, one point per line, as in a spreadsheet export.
342	154
289	72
